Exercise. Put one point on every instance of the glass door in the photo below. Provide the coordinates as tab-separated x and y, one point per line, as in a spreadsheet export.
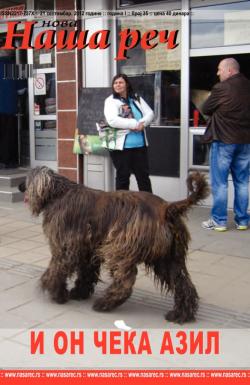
42	103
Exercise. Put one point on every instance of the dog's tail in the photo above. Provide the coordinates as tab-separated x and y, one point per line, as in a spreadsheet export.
198	190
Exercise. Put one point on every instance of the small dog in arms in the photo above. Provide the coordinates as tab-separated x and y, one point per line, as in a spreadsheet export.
120	230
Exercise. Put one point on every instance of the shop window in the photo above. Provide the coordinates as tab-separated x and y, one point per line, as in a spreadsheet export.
43	4
8	4
45	140
155	75
198	151
220	25
44	97
202	78
170	98
144	85
127	3
42	58
44	94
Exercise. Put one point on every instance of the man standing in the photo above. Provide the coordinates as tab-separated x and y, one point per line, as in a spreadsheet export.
228	131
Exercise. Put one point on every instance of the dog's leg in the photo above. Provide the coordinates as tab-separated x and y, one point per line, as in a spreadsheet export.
87	278
185	295
54	280
120	289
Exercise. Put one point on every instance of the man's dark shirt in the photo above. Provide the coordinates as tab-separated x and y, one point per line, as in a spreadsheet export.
228	108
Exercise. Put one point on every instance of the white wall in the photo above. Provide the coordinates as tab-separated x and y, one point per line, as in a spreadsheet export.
97	70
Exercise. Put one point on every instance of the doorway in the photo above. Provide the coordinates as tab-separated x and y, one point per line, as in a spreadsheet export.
14	111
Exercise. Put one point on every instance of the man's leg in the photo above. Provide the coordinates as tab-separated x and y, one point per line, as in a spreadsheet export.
240	173
121	162
221	156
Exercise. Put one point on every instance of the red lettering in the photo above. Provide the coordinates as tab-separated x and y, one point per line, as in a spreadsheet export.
26	35
74	341
60	338
115	339
144	344
183	342
101	342
69	40
167	345
45	40
169	37
146	37
102	36
196	342
129	343
213	346
128	39
36	342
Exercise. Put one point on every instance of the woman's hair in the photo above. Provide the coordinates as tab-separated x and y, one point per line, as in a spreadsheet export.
130	91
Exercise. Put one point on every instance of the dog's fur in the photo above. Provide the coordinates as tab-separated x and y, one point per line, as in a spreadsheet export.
88	228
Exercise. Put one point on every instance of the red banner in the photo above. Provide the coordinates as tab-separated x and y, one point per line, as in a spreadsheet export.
120	377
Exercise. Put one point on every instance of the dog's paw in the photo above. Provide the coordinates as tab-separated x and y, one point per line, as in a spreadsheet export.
101	305
172	316
61	297
178	317
78	294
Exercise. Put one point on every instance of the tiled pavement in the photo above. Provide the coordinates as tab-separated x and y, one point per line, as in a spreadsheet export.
219	264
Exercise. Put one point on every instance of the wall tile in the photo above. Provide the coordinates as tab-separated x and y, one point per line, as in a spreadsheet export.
66	96
70	174
66	66
65	4
66	158
66	124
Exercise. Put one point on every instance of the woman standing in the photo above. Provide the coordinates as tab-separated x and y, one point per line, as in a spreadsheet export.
129	114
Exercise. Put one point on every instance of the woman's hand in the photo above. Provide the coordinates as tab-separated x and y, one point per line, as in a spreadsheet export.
140	127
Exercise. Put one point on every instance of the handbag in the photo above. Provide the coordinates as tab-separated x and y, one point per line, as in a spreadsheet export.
76	146
88	144
107	135
91	144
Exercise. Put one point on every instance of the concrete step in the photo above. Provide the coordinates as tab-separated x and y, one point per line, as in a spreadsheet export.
12	178
10	194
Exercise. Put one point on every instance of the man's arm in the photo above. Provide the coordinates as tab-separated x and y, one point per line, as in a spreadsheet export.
214	101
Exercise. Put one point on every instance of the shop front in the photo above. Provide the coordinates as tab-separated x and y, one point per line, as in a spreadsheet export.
28	98
173	82
217	31
14	115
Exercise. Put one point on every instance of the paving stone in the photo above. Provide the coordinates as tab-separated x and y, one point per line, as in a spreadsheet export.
9	280
6	251
19	295
218	264
27	257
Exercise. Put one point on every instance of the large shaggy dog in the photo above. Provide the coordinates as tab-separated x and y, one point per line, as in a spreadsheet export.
87	228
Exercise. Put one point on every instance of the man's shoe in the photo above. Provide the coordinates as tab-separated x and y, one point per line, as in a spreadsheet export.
241	227
210	224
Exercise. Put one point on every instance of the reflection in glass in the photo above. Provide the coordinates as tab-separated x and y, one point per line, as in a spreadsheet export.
45	139
170	98
220	25
155	74
43	4
200	151
144	86
42	58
